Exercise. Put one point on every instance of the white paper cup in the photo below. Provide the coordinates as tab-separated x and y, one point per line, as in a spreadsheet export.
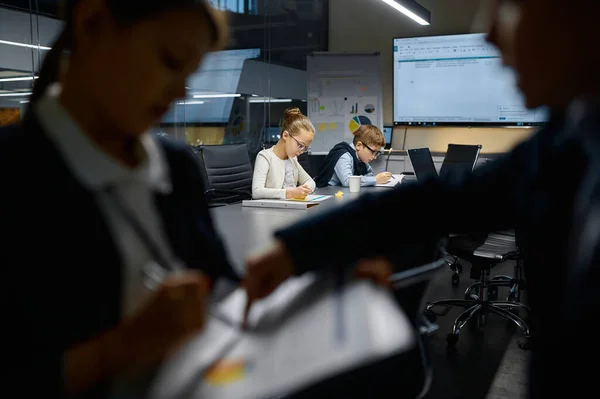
354	184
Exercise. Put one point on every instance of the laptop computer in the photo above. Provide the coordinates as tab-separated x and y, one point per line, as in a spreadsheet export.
459	158
422	163
388	132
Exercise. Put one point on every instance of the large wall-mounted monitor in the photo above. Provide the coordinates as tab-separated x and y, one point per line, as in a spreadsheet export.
456	80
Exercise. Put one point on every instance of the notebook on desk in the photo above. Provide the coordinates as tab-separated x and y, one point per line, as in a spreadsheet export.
292	203
394	181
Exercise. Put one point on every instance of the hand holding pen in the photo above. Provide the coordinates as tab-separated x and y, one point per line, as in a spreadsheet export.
383	177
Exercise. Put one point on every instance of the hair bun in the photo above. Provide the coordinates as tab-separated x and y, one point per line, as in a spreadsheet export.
292	112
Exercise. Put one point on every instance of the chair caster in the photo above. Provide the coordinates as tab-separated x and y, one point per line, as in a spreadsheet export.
455	279
524	343
452	340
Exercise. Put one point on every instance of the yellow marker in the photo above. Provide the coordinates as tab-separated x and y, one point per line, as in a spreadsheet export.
339	194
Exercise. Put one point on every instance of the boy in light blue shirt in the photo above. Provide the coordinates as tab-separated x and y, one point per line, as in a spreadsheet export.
345	160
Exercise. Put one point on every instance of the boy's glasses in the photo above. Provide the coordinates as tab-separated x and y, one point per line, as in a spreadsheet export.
375	153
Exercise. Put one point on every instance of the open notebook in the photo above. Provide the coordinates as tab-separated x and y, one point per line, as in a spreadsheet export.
311	198
394	181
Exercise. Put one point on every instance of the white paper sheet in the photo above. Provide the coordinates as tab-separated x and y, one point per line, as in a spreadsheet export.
395	180
293	341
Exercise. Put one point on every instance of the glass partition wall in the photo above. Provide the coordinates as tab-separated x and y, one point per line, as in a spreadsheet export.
237	95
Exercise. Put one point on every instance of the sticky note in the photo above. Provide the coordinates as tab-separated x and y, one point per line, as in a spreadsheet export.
226	372
321	127
332	126
339	194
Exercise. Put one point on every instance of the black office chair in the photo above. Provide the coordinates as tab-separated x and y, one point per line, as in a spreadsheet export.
304	161
227	173
459	159
480	298
316	163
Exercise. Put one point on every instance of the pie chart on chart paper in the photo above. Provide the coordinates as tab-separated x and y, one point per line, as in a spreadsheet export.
357	121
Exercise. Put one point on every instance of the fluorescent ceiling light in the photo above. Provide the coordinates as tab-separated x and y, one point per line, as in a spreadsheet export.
411	9
15	94
24	45
24	101
21	79
216	95
190	102
269	100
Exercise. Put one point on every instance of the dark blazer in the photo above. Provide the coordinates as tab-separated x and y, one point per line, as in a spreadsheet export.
532	190
61	269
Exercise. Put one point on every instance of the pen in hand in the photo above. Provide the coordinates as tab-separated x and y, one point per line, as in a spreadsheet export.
246	312
391	175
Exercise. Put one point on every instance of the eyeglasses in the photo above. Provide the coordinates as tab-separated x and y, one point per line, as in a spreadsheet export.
375	153
301	147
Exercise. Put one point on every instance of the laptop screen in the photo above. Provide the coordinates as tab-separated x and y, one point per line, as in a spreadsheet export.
422	163
459	158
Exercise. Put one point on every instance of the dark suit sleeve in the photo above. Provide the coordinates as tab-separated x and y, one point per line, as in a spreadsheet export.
382	224
210	251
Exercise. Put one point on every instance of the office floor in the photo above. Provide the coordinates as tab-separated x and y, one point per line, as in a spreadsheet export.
486	364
